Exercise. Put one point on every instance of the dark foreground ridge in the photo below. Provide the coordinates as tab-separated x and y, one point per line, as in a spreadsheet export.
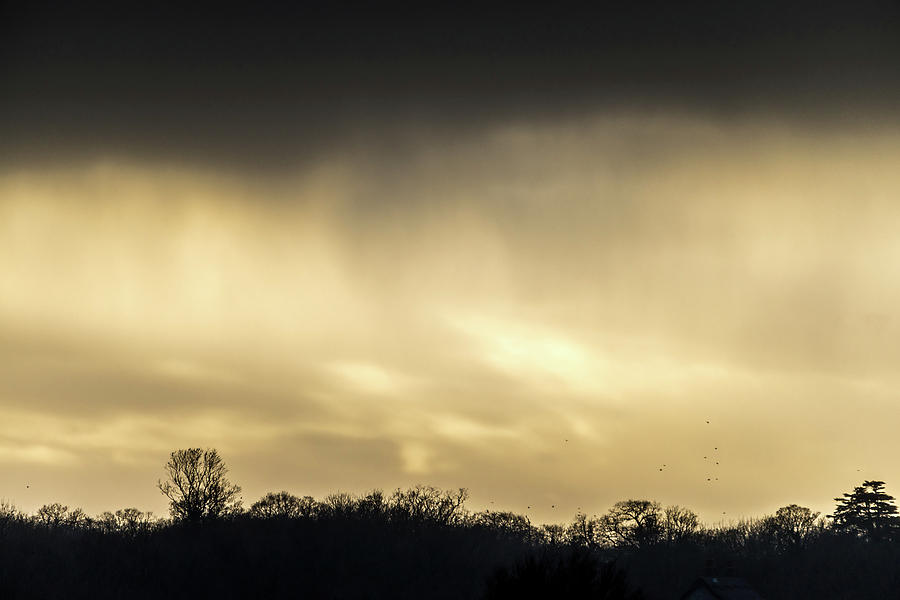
422	542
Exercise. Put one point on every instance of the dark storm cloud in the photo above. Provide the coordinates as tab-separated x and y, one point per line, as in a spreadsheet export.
261	86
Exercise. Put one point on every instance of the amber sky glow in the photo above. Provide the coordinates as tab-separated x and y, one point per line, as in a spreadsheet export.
543	313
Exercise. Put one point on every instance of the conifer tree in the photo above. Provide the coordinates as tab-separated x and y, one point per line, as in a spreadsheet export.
867	512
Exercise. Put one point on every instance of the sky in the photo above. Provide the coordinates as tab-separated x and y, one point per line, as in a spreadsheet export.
560	259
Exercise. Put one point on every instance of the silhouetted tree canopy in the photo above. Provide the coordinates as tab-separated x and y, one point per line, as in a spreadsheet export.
428	503
633	523
283	505
422	542
197	486
507	523
129	521
679	524
867	511
54	515
791	527
585	531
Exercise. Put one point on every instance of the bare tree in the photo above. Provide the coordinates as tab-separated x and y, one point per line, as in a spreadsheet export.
585	531
283	505
554	534
339	504
197	486
632	523
372	505
507	524
428	503
792	526
56	515
679	524
130	521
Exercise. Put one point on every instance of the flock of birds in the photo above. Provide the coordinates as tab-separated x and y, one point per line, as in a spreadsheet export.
712	476
709	479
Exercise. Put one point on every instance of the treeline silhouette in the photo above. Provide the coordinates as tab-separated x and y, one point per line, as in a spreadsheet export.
423	542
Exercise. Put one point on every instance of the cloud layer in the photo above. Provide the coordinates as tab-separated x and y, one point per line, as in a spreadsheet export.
544	312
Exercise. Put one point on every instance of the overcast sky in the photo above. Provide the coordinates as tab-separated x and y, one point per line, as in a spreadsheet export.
539	256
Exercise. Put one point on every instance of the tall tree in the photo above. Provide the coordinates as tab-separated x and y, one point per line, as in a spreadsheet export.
679	524
791	526
585	531
632	523
197	486
868	512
